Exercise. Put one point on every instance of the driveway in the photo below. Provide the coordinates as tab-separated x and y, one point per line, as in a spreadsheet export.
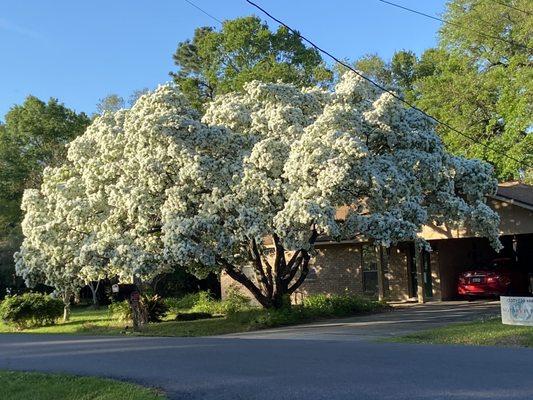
402	320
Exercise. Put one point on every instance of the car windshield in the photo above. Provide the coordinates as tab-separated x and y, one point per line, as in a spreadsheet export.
499	264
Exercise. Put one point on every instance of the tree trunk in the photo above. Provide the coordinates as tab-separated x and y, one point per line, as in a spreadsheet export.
274	281
66	306
139	314
94	292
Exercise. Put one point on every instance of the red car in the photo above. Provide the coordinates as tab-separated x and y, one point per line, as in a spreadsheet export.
501	277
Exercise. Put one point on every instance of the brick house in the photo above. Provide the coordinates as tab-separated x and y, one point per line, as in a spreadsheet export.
399	273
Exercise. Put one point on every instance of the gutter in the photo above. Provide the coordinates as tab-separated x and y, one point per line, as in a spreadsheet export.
512	201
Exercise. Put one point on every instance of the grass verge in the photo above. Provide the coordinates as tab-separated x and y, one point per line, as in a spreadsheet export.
489	332
99	322
39	386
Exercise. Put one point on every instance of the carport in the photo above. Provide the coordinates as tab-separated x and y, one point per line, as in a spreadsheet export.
455	251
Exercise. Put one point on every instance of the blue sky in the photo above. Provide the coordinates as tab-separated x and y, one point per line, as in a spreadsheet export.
80	51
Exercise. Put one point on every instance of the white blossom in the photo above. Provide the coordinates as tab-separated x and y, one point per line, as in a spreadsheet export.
154	187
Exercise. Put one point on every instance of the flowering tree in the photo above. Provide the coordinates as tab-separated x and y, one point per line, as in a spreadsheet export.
49	251
264	171
310	152
99	215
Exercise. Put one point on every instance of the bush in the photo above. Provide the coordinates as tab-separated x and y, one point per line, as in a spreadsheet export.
120	311
192	316
339	305
183	303
317	306
235	301
205	302
208	304
30	310
156	307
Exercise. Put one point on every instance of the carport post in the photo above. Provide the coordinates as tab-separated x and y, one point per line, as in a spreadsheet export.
381	273
421	287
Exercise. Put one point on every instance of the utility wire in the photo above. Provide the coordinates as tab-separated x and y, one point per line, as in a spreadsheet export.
203	11
512	7
220	22
511	42
445	124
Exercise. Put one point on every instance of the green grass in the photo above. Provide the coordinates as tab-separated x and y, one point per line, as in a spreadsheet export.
82	320
38	386
99	322
490	332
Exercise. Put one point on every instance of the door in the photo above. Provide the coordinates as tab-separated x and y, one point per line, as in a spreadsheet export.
411	271
428	281
412	275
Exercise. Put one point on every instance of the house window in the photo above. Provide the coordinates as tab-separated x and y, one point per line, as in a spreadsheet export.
369	267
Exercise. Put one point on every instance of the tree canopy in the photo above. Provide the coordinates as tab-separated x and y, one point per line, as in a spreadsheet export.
267	168
216	62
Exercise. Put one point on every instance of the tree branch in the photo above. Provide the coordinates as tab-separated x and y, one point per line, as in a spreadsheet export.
245	281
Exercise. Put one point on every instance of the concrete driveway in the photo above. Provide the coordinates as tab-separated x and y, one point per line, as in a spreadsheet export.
404	319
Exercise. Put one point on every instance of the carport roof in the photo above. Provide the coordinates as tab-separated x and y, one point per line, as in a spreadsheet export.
516	192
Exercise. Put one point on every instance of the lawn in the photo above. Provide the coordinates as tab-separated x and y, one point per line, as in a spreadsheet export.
85	320
490	332
38	386
99	322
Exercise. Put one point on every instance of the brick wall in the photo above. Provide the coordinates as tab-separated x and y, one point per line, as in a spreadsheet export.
398	276
336	269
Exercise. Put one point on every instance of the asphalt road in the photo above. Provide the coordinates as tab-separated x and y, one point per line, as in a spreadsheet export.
236	368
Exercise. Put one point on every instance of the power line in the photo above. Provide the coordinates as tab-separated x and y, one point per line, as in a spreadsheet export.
445	124
230	63
512	7
203	11
511	42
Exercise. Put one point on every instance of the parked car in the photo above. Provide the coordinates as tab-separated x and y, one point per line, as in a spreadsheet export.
498	278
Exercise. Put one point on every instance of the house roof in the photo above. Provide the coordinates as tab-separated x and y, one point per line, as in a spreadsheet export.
516	193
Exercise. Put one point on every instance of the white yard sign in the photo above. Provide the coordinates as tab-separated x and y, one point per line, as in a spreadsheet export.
517	310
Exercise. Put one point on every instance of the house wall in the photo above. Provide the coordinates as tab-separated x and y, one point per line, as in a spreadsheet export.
436	274
337	269
513	220
397	276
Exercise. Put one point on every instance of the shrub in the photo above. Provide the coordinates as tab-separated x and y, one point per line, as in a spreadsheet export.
156	307
317	306
30	310
280	317
120	311
235	301
183	303
338	305
204	302
208	304
192	316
